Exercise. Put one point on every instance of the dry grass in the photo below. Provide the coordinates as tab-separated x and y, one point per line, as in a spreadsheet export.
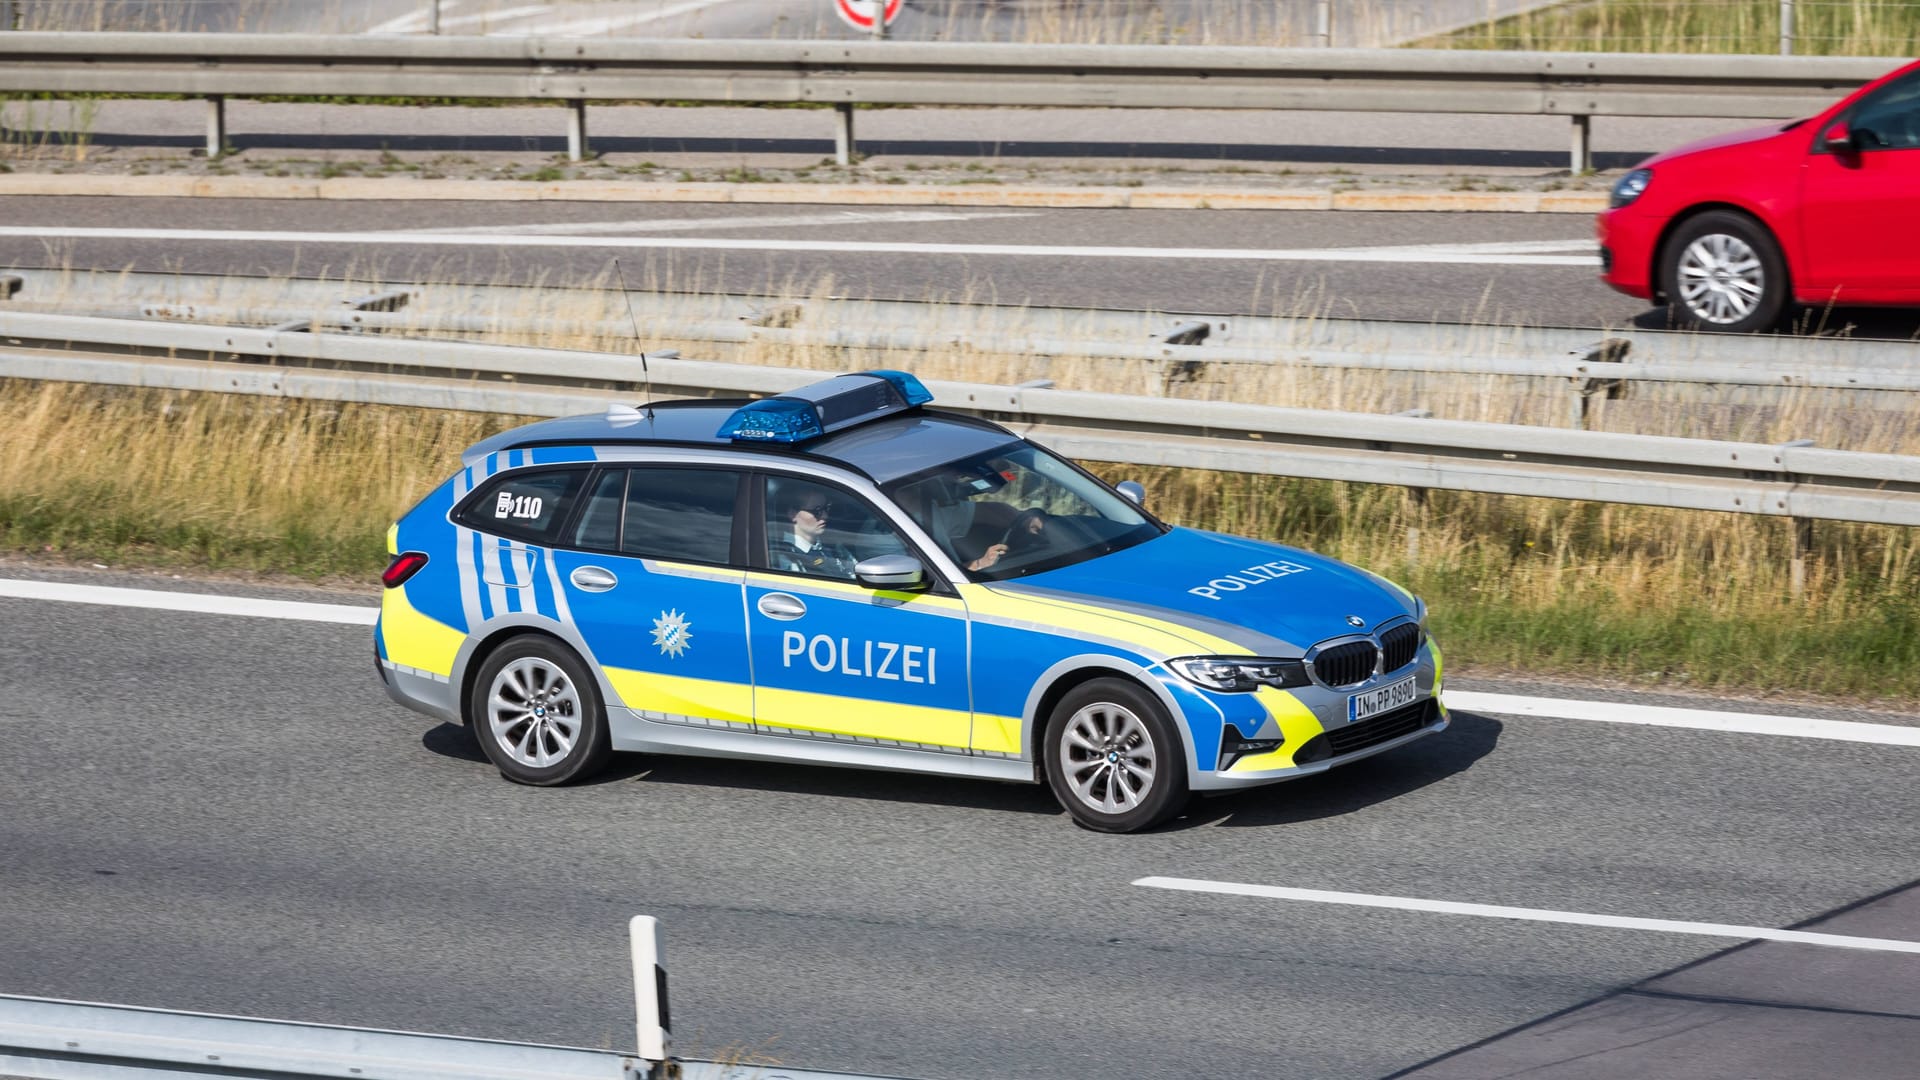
1672	597
1820	28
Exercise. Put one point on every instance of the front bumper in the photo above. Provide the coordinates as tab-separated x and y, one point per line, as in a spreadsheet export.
1337	746
1628	243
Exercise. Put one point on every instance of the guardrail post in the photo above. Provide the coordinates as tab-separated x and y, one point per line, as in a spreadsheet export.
216	126
1802	547
1582	144
1323	23
1786	27
576	129
1416	503
843	133
652	1025
1802	530
433	16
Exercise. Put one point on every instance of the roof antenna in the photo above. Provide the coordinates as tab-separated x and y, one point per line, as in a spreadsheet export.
645	409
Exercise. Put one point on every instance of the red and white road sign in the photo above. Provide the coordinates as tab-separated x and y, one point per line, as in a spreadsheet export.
859	13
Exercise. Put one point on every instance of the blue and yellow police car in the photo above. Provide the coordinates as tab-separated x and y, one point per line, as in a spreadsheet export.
845	576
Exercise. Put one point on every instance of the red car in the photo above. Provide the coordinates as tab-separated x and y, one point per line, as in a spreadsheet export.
1730	231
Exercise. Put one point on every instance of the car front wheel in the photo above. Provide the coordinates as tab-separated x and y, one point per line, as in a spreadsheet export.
1723	271
1113	758
536	712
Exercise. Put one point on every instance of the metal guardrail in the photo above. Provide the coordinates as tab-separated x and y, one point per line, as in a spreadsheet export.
42	1037
1795	481
843	74
1586	364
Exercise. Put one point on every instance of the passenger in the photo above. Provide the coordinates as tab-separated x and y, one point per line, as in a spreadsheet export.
802	550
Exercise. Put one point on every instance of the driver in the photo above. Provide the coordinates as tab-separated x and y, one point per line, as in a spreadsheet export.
946	508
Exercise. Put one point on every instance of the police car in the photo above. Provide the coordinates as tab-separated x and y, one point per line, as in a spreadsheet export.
842	575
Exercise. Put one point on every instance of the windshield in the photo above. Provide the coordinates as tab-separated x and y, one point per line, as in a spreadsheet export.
1019	510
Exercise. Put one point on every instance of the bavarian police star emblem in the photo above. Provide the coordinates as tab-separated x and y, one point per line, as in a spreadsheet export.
673	633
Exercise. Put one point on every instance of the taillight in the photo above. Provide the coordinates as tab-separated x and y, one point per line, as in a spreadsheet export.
404	565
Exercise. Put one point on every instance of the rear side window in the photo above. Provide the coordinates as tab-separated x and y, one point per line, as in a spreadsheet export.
527	506
680	514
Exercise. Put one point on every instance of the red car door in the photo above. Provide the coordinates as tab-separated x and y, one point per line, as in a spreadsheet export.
1860	205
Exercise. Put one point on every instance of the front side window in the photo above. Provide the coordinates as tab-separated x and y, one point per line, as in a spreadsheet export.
1890	118
1019	510
681	514
821	530
527	506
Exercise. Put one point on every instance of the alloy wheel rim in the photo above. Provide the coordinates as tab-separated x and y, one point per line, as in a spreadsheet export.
1721	279
1108	757
533	711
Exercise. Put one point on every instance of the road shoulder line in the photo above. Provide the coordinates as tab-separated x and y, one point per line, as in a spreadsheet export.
1102	198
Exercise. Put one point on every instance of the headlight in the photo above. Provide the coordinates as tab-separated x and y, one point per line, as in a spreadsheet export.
1629	187
1240	674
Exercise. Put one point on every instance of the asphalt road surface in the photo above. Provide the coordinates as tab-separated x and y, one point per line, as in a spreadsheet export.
1438	266
226	814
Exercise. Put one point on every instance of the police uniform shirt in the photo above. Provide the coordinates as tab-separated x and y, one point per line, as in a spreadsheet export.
818	559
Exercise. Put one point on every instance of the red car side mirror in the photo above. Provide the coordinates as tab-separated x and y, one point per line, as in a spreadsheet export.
1838	139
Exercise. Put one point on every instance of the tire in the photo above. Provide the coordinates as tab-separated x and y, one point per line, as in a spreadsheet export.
1113	758
1723	271
536	712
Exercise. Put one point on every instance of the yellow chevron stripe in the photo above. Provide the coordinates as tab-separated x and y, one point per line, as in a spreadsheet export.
1154	638
836	715
415	640
677	695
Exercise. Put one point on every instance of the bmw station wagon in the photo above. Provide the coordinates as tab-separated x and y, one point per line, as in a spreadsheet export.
841	575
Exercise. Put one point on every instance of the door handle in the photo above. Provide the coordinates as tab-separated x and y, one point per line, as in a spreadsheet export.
592	579
782	606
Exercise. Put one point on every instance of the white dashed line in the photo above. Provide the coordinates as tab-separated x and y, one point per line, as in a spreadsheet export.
1490	911
608	228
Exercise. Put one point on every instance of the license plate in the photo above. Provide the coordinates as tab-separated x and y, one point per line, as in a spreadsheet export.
1385	699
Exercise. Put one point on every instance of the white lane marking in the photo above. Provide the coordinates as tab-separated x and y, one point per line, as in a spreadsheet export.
415	22
154	599
1490	911
1620	712
593	27
1504	704
838	217
859	247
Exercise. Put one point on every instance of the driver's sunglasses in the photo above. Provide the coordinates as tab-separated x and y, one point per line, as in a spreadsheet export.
819	510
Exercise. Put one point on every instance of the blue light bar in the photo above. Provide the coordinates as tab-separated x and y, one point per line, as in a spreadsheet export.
826	406
910	389
782	420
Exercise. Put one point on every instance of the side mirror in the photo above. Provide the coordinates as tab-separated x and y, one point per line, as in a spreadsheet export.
1838	139
901	572
1133	491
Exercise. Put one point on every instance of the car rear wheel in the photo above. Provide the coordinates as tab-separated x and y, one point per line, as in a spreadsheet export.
1113	759
1723	271
536	712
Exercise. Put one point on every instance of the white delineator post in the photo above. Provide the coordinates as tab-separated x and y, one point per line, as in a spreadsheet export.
651	1021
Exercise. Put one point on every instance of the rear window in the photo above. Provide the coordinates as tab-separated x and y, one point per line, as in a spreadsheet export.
527	506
